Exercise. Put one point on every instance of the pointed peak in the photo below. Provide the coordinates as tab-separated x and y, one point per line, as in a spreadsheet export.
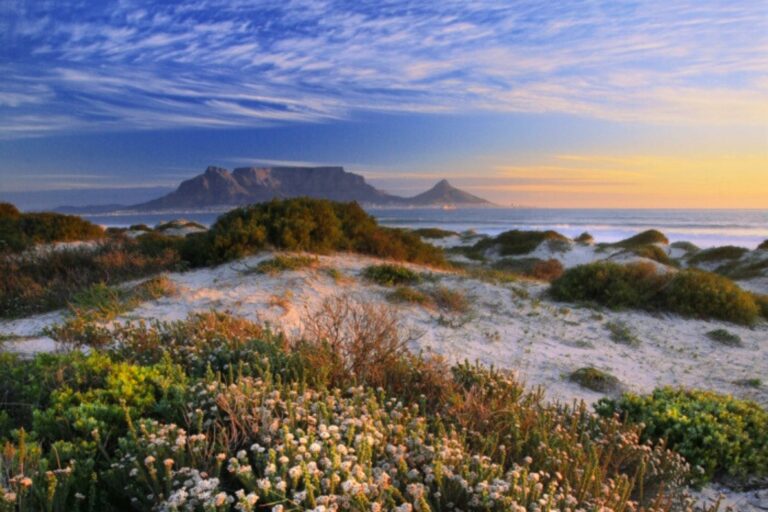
443	184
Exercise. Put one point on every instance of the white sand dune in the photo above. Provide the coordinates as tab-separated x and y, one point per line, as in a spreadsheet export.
512	326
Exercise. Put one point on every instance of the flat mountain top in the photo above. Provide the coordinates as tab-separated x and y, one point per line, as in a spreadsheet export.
219	187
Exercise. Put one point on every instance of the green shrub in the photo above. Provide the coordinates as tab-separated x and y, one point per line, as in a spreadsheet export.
584	238
719	433
611	284
156	245
705	295
596	380
652	252
390	275
304	224
725	337
434	233
50	280
749	383
20	231
690	292
215	409
546	270
744	269
139	227
622	334
282	263
728	252
409	295
762	302
516	242
763	245
648	237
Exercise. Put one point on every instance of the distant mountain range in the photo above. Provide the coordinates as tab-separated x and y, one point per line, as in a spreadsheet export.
218	187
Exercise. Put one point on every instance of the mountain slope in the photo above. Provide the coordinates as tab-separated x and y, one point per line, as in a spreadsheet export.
443	193
218	187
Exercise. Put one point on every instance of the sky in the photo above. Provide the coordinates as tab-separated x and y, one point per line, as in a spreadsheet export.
537	103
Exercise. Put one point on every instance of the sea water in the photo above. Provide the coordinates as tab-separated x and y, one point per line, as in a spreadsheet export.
705	228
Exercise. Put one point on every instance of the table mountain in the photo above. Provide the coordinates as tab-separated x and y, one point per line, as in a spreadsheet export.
219	187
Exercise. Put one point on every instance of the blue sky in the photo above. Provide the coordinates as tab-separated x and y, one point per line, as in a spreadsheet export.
532	102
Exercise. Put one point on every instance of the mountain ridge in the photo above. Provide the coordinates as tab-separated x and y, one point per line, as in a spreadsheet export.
218	187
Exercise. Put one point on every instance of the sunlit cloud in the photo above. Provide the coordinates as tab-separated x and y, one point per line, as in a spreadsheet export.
214	63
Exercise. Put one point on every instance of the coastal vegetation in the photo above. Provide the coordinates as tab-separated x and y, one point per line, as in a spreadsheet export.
722	435
215	412
545	270
434	233
513	243
21	231
52	279
690	292
304	224
727	252
390	275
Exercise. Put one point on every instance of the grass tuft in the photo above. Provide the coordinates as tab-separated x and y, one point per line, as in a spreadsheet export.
596	380
725	337
390	275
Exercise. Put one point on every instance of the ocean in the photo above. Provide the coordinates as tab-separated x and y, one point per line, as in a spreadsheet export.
705	228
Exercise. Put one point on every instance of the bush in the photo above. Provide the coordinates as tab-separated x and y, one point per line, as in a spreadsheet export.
596	380
762	302
691	293
648	237
611	284
304	224
20	231
584	238
705	295
723	435
725	337
214	410
390	275
622	334
409	295
728	252
763	245
516	242
50	280
9	211
652	252
434	233
282	263
450	300
546	270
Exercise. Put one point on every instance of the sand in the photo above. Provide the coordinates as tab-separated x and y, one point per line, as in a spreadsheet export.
512	325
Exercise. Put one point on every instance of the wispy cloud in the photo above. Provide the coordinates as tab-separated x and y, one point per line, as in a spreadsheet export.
217	63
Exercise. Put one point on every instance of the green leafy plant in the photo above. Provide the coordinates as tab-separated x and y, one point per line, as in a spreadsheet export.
690	292
390	275
725	337
282	263
516	242
648	237
722	435
728	252
596	380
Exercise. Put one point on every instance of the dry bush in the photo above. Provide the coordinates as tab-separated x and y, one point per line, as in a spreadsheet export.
353	340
